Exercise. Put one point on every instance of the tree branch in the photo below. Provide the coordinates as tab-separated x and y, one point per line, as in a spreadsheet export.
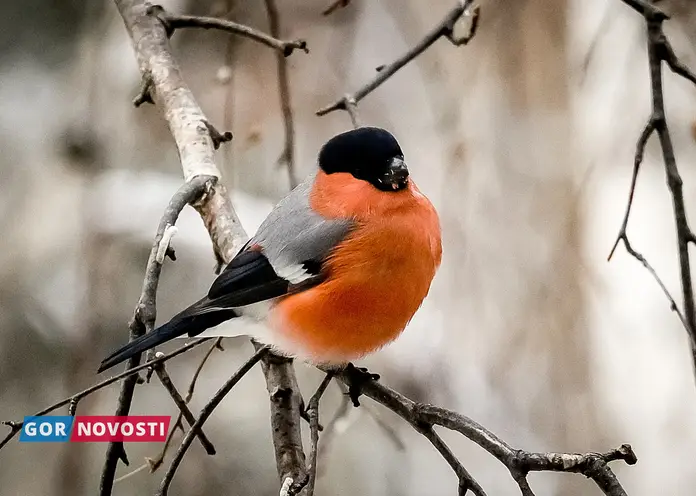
205	413
182	405
186	122
145	313
423	417
445	29
660	50
175	21
313	414
285	421
217	345
16	426
287	156
154	463
466	481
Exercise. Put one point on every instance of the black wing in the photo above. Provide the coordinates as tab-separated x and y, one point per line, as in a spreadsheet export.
249	278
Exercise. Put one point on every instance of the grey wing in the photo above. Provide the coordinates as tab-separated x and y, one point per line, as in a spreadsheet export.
296	239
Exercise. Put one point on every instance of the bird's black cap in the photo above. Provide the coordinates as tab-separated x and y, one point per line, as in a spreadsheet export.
368	153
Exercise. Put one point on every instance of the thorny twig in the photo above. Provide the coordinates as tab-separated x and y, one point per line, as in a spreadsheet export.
176	21
144	316
287	156
16	426
313	413
519	462
205	413
445	29
660	50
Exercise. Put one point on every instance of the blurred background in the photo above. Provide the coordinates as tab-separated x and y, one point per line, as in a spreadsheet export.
524	141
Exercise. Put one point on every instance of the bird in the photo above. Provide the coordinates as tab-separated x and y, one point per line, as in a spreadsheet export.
337	269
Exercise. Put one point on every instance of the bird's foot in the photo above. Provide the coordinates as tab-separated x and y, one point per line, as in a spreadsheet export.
358	377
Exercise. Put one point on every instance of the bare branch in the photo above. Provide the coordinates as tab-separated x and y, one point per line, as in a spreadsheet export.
673	304
174	21
518	462
144	316
205	413
313	413
154	463
638	159
444	29
182	405
287	156
646	9
335	426
676	65
660	50
196	151
217	345
466	481
285	420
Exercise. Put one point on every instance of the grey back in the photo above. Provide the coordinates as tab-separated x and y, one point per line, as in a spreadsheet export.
293	233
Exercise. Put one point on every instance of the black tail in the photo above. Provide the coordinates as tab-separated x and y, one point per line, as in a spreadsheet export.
192	321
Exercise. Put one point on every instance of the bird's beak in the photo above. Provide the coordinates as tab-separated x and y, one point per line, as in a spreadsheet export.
396	176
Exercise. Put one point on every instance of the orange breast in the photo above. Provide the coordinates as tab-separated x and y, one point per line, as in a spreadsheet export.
377	278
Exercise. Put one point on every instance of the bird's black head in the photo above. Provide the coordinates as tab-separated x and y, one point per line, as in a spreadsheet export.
368	153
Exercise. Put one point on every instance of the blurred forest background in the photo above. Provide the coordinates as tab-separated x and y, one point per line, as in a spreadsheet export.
524	141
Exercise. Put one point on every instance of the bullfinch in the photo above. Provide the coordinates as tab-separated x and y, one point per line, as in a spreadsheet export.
336	270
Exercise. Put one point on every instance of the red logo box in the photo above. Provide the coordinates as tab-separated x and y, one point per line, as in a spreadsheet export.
133	428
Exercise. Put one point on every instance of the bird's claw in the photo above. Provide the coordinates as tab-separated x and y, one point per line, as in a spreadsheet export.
358	377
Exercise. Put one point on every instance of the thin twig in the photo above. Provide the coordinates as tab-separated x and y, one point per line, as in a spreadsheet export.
155	463
205	413
335	426
144	316
175	21
518	462
389	432
444	29
352	109
637	161
183	407
313	413
672	302
130	474
466	481
217	345
287	156
660	50
17	426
